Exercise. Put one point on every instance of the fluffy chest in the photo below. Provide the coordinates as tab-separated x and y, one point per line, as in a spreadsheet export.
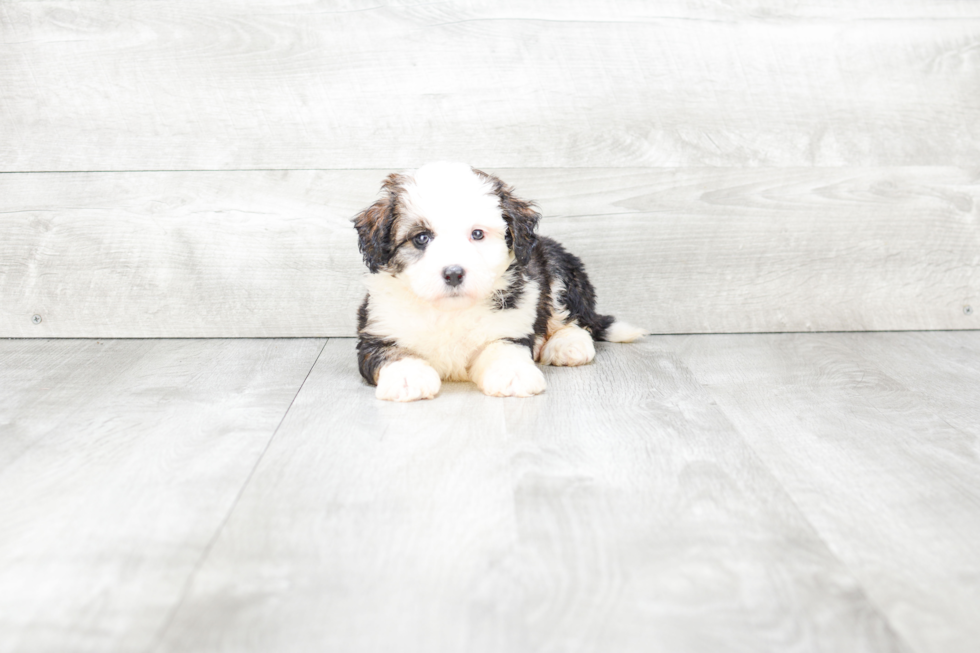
448	339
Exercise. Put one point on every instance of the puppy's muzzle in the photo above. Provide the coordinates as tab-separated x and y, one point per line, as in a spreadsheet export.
453	275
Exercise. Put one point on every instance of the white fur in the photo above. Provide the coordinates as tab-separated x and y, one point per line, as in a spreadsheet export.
506	370
448	339
450	327
623	332
569	346
407	379
455	331
454	202
560	315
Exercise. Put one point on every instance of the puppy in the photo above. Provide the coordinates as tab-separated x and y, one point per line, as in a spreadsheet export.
461	288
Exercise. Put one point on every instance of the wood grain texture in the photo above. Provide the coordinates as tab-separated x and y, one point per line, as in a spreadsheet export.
245	254
635	520
117	85
181	254
118	462
875	437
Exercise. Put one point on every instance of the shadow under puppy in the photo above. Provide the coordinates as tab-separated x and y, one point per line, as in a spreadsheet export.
461	288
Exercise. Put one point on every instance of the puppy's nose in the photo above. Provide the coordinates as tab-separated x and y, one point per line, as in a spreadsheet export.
453	275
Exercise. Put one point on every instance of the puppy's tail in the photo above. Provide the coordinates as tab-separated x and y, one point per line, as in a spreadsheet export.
620	331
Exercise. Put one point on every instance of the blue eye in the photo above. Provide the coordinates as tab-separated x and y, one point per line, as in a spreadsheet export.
477	234
421	240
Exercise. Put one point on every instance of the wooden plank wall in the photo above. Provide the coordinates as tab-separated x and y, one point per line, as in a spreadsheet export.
188	169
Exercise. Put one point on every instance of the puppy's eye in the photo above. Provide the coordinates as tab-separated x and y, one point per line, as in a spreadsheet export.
421	240
477	234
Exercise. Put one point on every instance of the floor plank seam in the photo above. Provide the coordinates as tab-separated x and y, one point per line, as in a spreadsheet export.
157	639
816	531
37	441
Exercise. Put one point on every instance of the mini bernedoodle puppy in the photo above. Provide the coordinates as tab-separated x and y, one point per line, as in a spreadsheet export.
461	288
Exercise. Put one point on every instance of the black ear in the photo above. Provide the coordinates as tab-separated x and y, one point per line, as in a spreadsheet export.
520	216
522	219
374	225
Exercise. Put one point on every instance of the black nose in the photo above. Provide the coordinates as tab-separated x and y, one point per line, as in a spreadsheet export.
453	275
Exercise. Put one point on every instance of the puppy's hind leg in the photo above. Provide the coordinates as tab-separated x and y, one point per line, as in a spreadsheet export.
569	346
506	369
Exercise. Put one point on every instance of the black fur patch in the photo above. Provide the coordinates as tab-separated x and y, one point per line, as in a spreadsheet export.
527	341
404	255
520	216
510	296
538	258
545	261
375	224
373	352
578	298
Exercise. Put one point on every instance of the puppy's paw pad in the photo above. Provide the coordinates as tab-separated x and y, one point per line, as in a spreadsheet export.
408	379
568	348
505	379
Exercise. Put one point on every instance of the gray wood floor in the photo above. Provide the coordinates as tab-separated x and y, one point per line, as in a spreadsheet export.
806	492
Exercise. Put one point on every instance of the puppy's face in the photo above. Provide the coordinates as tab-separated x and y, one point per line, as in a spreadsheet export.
447	232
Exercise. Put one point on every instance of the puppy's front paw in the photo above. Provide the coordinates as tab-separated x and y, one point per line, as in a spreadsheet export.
407	379
568	346
510	378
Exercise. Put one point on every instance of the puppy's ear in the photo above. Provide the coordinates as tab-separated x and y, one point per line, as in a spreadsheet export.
522	219
374	226
520	216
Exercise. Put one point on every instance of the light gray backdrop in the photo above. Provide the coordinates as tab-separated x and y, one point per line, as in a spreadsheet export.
189	169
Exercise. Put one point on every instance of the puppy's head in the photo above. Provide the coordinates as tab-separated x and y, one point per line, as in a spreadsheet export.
447	231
